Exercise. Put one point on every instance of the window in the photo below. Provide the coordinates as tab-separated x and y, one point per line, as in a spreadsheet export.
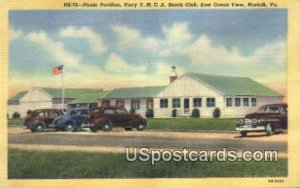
149	104
84	112
273	109
228	101
197	102
41	114
97	110
237	101
120	103
176	103
246	102
253	101
120	111
210	102
72	112
135	104
109	111
105	103
163	103
284	110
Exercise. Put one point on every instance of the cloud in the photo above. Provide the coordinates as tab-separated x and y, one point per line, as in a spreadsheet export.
200	54
175	36
203	52
116	64
55	48
93	38
132	38
14	34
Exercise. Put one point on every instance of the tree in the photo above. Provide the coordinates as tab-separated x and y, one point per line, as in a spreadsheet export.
196	113
149	113
174	113
216	113
132	110
16	115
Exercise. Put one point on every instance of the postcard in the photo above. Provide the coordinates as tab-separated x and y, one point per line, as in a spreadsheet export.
149	93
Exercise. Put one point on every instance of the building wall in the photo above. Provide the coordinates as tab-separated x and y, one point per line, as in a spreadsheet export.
34	99
127	104
240	111
187	87
181	111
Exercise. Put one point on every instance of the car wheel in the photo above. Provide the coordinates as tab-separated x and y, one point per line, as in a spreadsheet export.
32	129
39	127
140	127
93	129
106	127
243	133
69	127
269	130
128	129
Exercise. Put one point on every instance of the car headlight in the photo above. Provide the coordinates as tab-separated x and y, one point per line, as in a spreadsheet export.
240	121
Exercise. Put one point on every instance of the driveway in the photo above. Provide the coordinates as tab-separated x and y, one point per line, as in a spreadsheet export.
117	140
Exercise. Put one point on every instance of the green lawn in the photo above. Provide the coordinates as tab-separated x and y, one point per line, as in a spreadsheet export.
45	164
187	124
176	124
14	121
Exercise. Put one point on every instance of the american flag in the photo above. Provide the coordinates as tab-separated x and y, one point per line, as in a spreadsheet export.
58	70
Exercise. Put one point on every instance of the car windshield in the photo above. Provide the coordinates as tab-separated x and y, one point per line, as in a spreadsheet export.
96	110
121	111
269	109
71	112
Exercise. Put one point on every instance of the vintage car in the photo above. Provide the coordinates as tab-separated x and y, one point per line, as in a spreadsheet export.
271	118
40	119
104	118
72	120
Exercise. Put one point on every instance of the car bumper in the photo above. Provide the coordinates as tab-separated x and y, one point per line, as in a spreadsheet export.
86	125
251	129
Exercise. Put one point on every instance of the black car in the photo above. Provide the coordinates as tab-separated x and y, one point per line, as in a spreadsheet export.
40	119
72	120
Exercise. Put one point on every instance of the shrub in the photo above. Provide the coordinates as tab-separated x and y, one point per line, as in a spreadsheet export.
29	112
196	112
216	113
132	111
174	113
16	115
149	113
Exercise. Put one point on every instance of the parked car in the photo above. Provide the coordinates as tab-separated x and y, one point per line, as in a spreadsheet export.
270	118
40	119
105	118
72	120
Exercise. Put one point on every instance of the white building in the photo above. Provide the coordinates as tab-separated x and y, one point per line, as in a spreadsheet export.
39	98
234	96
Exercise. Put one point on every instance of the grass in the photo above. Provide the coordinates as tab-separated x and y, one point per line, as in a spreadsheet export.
186	124
176	124
14	121
24	164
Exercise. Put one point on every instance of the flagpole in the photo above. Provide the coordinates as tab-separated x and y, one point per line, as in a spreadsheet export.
62	91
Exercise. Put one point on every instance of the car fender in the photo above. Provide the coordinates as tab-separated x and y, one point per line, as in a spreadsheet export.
274	122
35	122
136	122
99	122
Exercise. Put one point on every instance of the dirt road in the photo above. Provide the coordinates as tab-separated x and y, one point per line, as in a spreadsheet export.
115	141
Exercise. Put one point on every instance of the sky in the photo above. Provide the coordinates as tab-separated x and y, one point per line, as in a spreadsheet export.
123	48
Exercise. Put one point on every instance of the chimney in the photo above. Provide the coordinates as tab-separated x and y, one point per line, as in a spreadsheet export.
173	74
